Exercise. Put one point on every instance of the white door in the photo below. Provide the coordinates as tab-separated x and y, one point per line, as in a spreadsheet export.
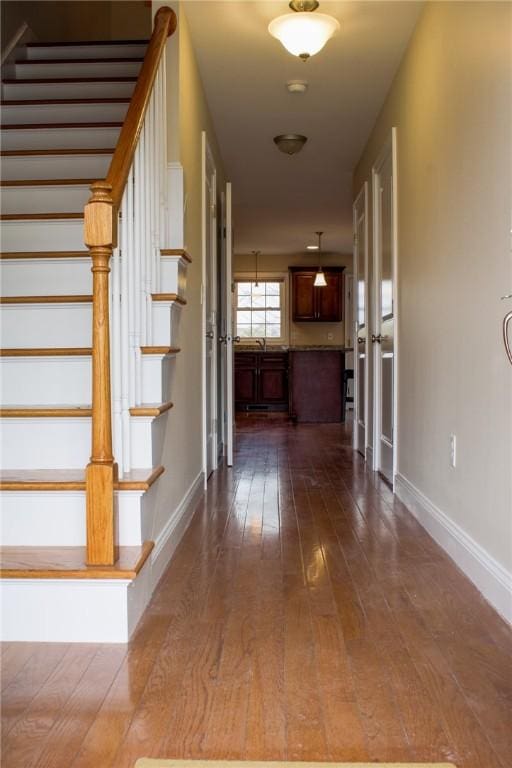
228	314
384	341
209	238
361	336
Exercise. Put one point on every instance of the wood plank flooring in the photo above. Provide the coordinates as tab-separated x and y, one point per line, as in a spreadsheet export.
305	616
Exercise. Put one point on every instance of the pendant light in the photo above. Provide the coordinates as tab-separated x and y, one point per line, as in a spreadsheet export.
320	281
256	254
303	33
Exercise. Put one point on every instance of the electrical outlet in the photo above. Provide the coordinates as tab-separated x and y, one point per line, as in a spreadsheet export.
453	451
330	337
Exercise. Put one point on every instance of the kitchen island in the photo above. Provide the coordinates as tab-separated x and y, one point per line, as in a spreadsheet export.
306	381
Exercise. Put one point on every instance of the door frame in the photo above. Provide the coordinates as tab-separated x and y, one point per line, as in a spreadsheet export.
362	196
208	220
390	147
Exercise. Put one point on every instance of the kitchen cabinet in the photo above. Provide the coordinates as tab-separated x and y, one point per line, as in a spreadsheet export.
261	381
316	392
317	304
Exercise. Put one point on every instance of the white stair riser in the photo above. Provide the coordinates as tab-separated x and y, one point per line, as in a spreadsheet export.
72	90
99	51
46	325
59	138
45	443
58	518
43	71
165	323
65	442
43	277
68	325
173	273
55	167
39	277
43	235
147	439
67	380
63	113
44	199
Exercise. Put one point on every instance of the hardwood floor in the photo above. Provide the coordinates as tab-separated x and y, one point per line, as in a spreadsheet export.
305	616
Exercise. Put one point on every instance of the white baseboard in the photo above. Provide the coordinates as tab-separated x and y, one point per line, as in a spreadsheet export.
172	533
369	457
489	577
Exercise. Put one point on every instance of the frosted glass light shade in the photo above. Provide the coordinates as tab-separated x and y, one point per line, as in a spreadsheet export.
320	281
303	34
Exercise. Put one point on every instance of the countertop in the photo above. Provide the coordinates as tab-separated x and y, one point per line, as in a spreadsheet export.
293	348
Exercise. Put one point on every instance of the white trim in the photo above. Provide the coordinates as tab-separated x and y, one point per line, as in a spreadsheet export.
176	203
173	531
489	576
390	146
369	457
368	358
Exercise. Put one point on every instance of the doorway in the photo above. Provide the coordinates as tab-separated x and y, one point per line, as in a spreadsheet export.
384	337
361	336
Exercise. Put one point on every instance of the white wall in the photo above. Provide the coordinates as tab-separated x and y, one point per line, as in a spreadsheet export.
451	103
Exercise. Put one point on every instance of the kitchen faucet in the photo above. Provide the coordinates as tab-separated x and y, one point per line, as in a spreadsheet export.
262	343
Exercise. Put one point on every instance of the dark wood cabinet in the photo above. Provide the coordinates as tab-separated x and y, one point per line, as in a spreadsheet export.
261	381
317	304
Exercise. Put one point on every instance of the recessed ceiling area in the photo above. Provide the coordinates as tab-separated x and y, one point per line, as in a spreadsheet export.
279	200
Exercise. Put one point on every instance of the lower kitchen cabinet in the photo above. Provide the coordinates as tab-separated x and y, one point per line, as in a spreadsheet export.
261	381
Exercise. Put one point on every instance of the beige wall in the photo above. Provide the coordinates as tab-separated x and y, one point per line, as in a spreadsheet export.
68	20
451	103
182	454
299	333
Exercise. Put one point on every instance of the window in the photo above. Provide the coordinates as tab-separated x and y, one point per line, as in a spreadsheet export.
259	309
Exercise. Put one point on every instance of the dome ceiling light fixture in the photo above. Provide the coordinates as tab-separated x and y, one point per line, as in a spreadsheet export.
290	143
297	86
303	33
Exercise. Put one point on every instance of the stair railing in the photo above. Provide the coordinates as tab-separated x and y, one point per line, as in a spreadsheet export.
125	218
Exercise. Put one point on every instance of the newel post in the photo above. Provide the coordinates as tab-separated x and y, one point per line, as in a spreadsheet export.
101	472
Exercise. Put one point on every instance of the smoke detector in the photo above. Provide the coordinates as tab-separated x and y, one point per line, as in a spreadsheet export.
297	86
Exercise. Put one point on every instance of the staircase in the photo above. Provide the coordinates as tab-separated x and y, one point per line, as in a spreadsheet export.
63	107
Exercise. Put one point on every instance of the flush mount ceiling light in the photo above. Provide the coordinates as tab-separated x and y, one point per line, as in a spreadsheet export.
320	280
297	86
312	247
290	143
303	33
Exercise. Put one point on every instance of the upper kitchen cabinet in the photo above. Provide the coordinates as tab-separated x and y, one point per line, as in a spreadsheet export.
317	304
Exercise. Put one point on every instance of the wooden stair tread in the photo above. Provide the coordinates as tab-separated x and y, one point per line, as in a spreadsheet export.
69	563
39	216
68	80
176	252
169	297
46	352
72	479
120	60
35	102
45	126
57	152
44	254
75	299
91	43
151	409
45	182
45	411
160	350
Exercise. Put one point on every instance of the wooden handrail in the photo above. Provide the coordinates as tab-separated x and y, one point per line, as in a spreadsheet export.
100	236
165	25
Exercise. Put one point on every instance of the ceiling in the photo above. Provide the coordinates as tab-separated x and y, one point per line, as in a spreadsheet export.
280	201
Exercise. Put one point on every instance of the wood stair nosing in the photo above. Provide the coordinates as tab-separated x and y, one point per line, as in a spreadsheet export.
45	412
84	43
176	297
71	480
56	152
44	255
40	216
176	252
69	563
160	350
52	126
120	60
46	182
68	80
58	299
151	409
46	352
50	102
